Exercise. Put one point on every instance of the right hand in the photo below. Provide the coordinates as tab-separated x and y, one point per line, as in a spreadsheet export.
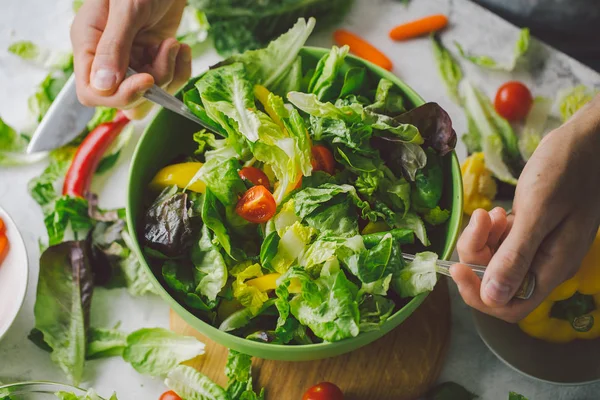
108	36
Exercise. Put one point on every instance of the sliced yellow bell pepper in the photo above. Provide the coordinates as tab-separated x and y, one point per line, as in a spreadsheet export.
269	282
375	227
179	175
262	95
541	324
478	185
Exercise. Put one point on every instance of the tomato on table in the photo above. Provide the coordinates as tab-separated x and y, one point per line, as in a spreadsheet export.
257	205
324	391
170	395
255	176
322	159
513	101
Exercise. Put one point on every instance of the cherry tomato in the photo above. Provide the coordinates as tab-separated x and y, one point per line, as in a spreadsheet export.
170	395
255	175
322	159
324	391
513	101
257	205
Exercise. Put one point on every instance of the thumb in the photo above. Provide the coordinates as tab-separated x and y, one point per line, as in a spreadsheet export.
114	48
508	267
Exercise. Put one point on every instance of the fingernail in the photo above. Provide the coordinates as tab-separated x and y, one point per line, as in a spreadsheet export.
497	291
173	51
104	79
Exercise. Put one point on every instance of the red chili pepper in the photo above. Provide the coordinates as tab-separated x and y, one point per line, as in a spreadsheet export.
88	156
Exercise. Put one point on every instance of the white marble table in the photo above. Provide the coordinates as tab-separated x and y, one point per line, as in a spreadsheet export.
47	22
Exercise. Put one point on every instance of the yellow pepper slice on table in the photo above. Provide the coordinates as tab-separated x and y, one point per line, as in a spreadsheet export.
572	310
478	185
179	175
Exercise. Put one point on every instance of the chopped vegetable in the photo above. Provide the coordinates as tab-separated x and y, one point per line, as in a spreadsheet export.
534	127
478	185
255	176
448	68
89	154
419	27
571	311
417	277
324	391
169	395
362	48
322	159
257	205
572	100
4	244
179	175
521	47
513	101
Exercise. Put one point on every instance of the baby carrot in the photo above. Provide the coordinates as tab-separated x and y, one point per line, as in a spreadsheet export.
362	48
420	27
2	227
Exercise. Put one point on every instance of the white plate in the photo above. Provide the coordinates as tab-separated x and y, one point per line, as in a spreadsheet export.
14	272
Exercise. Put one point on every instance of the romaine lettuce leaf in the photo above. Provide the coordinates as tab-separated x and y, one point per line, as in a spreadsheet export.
387	102
353	81
417	277
412	221
103	343
190	384
249	296
210	268
157	351
572	100
292	244
521	47
374	311
12	147
326	72
180	278
448	68
239	377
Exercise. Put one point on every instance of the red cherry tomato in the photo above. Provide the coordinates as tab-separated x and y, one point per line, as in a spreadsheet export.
324	391
513	101
257	205
322	159
170	395
255	175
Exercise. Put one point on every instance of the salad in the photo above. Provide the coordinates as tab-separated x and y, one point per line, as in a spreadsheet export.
286	226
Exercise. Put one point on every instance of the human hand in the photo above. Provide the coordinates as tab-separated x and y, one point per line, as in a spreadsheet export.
108	36
556	216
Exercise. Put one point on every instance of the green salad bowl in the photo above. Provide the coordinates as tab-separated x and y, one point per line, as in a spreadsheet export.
170	135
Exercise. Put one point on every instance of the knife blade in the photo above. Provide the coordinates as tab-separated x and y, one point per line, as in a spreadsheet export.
65	120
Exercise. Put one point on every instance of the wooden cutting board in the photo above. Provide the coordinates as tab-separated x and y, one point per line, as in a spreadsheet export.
402	365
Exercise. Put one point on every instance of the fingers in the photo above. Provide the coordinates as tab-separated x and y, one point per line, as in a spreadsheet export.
508	266
471	246
499	225
114	48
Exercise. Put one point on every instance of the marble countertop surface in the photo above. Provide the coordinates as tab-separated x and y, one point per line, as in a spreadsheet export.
469	362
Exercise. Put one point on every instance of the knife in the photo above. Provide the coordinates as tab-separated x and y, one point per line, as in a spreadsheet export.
67	117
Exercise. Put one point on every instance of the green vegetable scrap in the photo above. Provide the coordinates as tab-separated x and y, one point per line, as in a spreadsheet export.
572	100
520	48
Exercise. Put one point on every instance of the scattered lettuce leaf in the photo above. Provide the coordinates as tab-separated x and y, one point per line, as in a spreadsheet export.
45	58
448	68
521	47
12	147
65	213
572	100
157	351
534	127
102	343
190	384
239	377
62	306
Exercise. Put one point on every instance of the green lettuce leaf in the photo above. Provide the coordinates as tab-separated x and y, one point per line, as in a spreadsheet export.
436	216
374	311
12	147
521	47
353	81
193	27
180	278
572	100
249	296
157	351
448	68
190	384
239	377
63	213
387	102
534	127
210	268
417	277
326	72
62	305
222	178
292	244
102	343
45	58
412	221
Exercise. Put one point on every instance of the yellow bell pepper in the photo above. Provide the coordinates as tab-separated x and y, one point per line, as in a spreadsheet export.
572	310
262	95
269	282
179	175
479	186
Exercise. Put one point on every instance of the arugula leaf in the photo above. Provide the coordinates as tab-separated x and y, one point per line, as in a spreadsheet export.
448	68
62	305
190	384
158	351
417	277
521	47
